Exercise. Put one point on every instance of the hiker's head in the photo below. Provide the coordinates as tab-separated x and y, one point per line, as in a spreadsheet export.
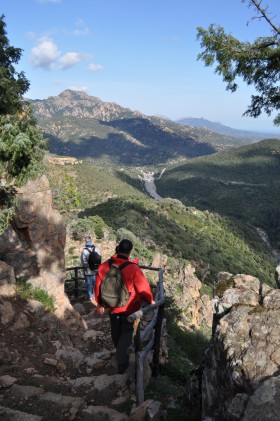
88	239
125	247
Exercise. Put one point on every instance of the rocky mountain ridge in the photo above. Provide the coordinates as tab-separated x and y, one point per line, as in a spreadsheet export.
83	126
79	104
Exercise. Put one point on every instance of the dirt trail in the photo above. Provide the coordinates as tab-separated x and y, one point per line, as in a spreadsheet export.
50	371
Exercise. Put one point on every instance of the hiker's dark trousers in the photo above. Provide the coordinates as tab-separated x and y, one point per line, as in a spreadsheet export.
122	333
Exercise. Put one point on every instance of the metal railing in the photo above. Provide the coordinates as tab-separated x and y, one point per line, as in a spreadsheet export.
77	280
151	334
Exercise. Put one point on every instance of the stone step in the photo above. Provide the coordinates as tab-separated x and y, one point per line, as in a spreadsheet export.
7	414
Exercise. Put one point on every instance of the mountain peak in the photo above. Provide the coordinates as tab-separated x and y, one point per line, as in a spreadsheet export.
80	104
76	95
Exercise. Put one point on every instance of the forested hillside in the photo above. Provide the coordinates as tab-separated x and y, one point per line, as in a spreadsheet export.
114	198
243	183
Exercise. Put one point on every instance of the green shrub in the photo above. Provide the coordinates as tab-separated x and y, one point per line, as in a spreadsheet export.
222	286
206	290
26	291
91	225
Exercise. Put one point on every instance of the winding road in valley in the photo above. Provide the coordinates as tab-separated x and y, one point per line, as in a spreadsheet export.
149	183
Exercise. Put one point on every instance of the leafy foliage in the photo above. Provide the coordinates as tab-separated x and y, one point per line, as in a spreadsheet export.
20	148
20	140
66	196
13	85
92	224
257	63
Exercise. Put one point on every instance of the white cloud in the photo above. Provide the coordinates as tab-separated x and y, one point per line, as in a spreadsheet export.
45	54
95	67
70	59
81	28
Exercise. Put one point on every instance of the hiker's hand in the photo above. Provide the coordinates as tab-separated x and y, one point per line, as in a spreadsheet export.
153	302
100	309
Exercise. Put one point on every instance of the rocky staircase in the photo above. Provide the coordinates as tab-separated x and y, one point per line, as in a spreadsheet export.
55	371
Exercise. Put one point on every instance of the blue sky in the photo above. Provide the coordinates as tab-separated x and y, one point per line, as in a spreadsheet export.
139	54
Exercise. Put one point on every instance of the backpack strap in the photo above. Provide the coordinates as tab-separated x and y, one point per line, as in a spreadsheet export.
123	265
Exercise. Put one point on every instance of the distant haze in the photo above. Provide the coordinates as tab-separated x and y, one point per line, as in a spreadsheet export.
223	129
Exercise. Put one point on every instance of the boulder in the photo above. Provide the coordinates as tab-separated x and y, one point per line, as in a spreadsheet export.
33	245
241	375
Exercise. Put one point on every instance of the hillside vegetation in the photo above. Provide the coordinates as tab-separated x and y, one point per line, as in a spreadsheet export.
113	198
243	183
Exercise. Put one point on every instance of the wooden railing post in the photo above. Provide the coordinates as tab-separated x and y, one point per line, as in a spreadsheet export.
157	341
76	291
139	379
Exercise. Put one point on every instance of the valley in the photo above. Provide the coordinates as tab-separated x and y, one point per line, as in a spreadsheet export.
183	188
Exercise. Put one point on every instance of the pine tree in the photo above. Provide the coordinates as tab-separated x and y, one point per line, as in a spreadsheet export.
13	85
257	63
21	141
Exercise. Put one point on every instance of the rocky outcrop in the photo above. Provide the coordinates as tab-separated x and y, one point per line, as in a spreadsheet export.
241	378
184	288
32	247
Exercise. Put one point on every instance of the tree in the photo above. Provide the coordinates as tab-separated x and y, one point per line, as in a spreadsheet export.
257	63
13	85
21	141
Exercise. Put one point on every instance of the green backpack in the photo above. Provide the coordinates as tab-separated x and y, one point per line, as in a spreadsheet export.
113	291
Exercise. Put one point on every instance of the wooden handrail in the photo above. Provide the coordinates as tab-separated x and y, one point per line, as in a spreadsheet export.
152	331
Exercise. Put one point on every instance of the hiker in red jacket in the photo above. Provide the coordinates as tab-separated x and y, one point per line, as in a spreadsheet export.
139	289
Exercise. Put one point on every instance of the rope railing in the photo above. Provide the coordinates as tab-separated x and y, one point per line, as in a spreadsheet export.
151	333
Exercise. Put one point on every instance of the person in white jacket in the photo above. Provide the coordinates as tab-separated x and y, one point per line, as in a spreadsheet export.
277	273
90	274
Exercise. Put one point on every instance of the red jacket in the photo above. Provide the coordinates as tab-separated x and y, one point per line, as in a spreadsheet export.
136	284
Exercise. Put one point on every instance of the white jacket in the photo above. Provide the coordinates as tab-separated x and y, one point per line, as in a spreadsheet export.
84	260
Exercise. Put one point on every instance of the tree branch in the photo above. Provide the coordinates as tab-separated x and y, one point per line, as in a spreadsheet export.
262	11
